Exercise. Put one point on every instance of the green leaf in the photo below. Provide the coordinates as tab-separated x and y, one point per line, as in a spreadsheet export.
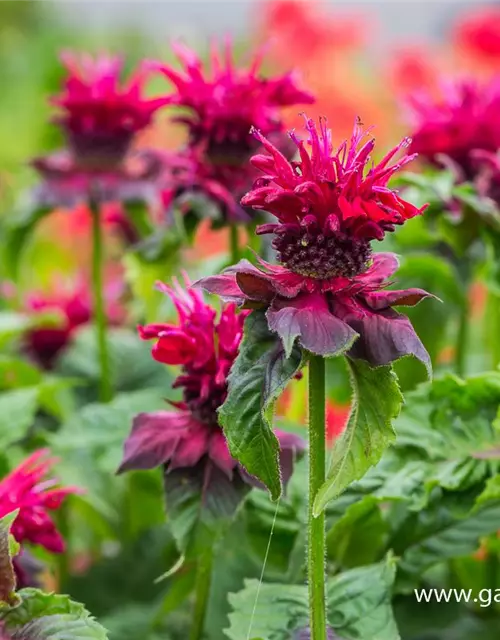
47	616
358	537
19	232
452	425
443	532
491	490
258	376
201	502
8	549
359	603
376	402
17	413
358	607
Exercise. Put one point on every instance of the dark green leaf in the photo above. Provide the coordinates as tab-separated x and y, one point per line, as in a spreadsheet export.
257	377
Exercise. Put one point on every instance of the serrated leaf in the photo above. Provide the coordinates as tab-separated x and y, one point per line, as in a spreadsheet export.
257	377
376	402
46	616
358	607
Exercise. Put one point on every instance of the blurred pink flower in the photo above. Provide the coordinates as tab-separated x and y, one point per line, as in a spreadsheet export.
222	105
478	34
219	108
453	126
72	308
27	488
99	116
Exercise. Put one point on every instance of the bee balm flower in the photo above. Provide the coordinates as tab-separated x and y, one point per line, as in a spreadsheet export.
100	118
205	346
329	290
220	106
464	119
27	488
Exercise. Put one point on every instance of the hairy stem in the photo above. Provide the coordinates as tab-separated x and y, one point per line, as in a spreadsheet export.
105	388
316	527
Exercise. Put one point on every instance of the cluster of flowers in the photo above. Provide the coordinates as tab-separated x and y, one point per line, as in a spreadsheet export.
101	120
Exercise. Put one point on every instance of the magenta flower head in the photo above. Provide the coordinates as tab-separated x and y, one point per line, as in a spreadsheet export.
205	346
329	291
450	128
100	116
28	489
220	106
223	105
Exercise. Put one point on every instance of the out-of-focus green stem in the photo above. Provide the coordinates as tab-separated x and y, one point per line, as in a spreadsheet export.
105	387
234	246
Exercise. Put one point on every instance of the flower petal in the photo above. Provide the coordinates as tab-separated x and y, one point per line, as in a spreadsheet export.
219	453
384	299
309	319
223	285
382	268
154	439
385	336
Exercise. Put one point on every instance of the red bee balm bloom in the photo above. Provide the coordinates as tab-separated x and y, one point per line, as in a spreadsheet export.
101	117
75	309
27	489
478	34
329	291
223	108
206	347
466	118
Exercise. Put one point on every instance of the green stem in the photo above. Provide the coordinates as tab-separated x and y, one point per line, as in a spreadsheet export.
316	528
105	388
234	244
202	592
462	340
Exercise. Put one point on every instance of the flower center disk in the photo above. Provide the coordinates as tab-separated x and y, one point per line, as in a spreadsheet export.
314	254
